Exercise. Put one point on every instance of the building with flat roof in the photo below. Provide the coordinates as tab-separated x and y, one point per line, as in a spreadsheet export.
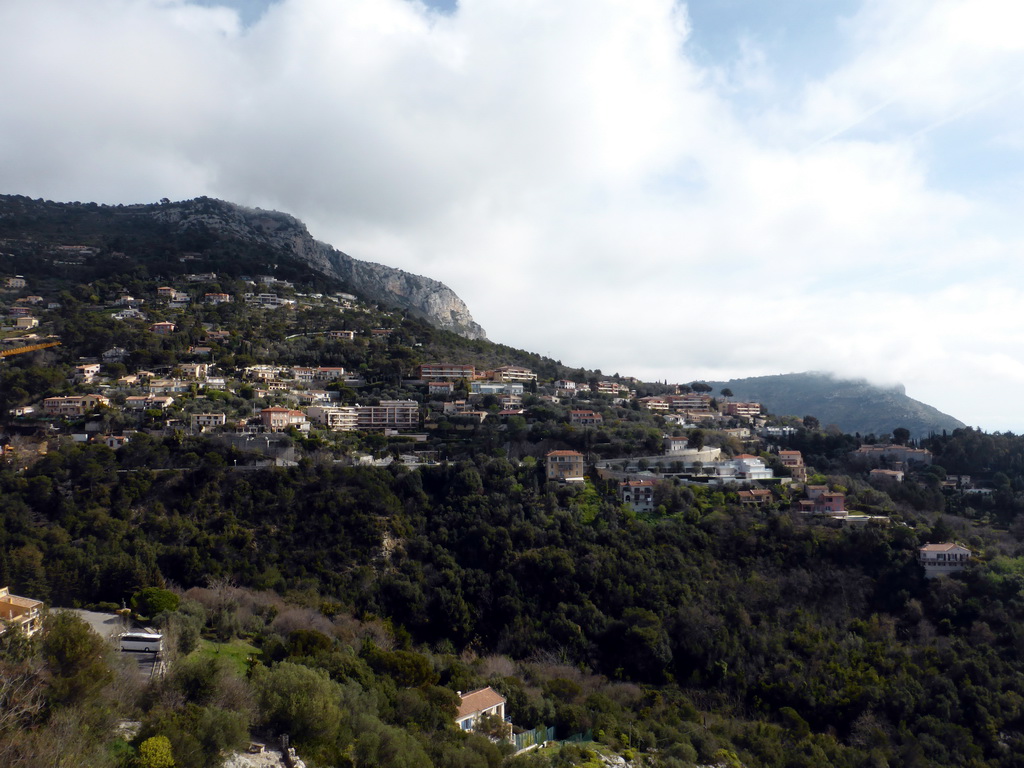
637	494
388	414
740	410
74	405
23	612
444	372
343	418
513	373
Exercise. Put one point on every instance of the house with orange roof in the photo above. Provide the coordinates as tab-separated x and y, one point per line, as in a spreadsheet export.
279	419
583	418
944	558
477	704
566	466
755	497
824	502
794	462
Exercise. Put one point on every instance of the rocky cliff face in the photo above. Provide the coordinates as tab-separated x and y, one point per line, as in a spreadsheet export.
424	297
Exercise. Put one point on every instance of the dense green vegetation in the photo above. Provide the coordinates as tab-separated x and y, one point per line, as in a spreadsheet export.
830	638
345	605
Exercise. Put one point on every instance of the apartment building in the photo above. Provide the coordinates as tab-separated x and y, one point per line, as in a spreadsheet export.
564	465
389	414
444	372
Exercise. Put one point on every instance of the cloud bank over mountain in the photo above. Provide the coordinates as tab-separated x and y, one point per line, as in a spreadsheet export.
638	186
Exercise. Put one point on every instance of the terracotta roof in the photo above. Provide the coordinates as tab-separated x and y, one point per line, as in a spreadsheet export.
479	700
564	453
944	547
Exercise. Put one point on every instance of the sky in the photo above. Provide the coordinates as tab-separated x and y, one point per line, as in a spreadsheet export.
676	191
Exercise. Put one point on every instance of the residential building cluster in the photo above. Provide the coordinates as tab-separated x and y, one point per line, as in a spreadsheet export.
438	395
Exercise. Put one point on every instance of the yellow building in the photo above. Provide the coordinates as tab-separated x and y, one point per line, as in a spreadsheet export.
21	611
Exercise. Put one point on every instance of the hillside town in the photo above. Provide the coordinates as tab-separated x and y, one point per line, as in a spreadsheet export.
263	475
204	389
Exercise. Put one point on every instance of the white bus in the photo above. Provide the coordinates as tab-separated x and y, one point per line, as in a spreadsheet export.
142	641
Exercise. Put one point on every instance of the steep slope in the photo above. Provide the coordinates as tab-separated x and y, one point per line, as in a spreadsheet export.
423	296
206	224
854	405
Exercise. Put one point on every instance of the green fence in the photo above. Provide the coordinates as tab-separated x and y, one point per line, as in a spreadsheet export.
540	735
576	738
529	738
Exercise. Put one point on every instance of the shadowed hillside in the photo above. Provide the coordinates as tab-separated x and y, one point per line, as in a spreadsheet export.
854	405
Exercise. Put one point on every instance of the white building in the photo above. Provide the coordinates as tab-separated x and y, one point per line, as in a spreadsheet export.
204	421
638	494
339	418
742	469
941	559
513	373
495	388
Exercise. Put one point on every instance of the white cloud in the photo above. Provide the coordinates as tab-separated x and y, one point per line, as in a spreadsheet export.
571	170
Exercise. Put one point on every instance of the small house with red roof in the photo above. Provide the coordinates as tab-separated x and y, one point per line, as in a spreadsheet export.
477	704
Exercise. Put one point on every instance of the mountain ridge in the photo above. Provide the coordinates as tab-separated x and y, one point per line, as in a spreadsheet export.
424	296
854	405
203	219
239	238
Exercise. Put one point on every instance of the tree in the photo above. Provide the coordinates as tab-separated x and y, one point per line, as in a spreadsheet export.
900	436
696	439
700	387
300	701
811	423
76	657
155	752
726	393
152	600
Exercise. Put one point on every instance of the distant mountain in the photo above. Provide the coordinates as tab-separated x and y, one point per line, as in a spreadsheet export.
854	405
216	231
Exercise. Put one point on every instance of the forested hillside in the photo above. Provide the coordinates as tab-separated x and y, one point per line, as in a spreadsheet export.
342	586
831	638
853	405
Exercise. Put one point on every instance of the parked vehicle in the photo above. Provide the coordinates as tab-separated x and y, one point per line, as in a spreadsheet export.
142	641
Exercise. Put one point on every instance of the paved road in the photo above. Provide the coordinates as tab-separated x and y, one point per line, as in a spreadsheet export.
108	626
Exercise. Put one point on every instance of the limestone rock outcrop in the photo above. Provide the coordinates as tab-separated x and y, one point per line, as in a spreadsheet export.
422	296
